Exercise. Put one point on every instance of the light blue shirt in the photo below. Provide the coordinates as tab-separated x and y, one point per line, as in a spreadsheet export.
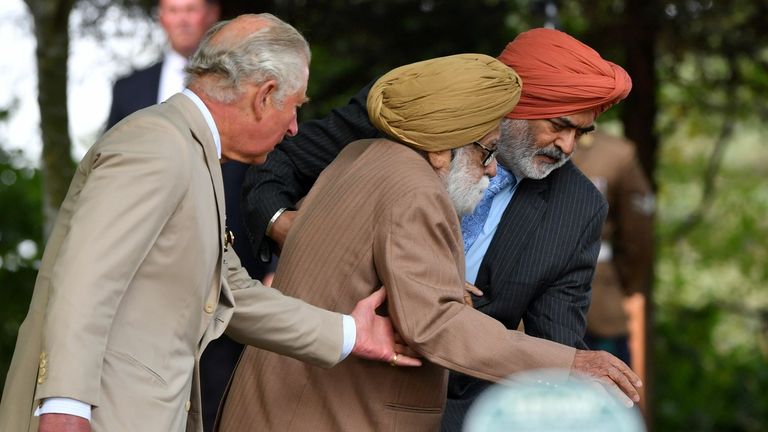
475	254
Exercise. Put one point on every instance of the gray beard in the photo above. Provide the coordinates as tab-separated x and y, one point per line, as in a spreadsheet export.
517	150
465	193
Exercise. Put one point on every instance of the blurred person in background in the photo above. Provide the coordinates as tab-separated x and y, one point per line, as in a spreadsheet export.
623	272
185	23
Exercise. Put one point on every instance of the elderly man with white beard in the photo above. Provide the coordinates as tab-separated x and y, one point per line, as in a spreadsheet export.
385	213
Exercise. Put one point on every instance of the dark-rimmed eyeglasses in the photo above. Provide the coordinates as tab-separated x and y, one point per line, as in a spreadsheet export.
490	154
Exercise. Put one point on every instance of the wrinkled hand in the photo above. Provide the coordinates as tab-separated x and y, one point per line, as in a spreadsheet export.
63	423
280	228
375	336
470	289
613	373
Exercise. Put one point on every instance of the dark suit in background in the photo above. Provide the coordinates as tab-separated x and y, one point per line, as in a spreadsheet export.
134	92
140	90
538	267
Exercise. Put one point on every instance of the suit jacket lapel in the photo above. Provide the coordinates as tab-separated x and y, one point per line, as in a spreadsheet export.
202	134
515	228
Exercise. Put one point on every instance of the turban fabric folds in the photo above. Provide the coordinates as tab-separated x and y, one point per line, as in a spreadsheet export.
443	103
562	76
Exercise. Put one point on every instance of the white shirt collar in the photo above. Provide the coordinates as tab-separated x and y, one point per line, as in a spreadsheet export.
207	116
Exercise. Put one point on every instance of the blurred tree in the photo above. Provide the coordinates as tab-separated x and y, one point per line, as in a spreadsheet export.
51	19
51	26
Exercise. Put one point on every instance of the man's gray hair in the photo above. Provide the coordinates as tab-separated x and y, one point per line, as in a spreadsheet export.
277	51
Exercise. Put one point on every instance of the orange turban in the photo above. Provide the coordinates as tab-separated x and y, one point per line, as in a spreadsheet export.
562	76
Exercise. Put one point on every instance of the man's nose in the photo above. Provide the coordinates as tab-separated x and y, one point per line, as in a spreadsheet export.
490	170
293	128
566	141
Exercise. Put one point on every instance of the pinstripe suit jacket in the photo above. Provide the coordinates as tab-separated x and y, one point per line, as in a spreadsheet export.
538	267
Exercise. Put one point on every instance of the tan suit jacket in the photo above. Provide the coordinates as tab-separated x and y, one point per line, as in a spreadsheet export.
136	280
626	255
379	215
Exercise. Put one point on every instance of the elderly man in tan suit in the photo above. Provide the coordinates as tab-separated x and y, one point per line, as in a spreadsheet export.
139	275
385	212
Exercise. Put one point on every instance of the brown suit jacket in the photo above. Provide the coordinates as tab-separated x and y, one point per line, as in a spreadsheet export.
626	255
379	215
136	280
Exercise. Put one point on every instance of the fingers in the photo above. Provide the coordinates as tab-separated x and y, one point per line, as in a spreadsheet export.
620	380
377	297
629	373
473	289
614	373
626	378
401	349
407	361
468	299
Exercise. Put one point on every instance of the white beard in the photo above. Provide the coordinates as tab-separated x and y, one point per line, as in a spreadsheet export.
465	193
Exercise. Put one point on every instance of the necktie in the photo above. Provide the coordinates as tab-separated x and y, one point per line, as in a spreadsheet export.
472	224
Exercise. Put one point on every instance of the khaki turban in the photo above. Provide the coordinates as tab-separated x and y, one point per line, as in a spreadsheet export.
443	103
562	76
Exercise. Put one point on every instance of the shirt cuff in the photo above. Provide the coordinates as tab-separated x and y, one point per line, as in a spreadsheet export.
350	335
60	405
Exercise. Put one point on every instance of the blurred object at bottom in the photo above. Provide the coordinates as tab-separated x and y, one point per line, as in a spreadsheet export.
545	401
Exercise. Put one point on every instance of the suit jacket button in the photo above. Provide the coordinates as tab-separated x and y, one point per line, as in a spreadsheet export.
209	308
187	405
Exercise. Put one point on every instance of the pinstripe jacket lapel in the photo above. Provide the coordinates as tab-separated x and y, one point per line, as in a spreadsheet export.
517	224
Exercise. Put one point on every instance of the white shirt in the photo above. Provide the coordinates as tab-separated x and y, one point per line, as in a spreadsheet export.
81	409
171	75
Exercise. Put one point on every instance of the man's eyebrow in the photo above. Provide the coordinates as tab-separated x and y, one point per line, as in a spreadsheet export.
566	122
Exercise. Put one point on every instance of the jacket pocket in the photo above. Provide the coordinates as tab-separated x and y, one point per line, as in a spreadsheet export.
127	358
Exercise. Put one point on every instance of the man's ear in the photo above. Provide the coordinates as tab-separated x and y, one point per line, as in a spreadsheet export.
440	160
264	98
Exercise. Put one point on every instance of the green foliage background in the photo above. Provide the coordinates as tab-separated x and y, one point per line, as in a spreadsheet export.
710	339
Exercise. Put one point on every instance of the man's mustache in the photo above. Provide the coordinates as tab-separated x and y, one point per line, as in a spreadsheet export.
553	152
